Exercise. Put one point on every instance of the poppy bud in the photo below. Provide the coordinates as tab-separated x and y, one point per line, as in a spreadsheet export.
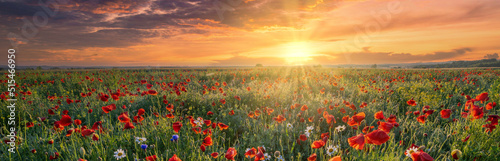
82	151
277	154
456	154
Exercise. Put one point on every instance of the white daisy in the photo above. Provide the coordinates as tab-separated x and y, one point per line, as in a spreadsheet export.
340	128
309	130
140	139
411	150
119	154
267	157
280	158
199	122
330	150
289	125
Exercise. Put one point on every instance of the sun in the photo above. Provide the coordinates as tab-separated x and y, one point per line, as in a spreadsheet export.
297	53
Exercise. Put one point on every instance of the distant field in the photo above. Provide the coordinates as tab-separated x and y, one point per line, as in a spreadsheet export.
268	113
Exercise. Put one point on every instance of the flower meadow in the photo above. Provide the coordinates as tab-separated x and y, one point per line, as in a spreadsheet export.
268	113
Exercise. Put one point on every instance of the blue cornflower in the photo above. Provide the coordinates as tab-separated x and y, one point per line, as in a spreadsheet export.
144	146
174	138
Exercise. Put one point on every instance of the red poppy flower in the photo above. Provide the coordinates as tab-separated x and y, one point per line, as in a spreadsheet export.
55	156
231	112
51	112
214	155
464	114
207	141
202	148
170	115
223	101
311	119
95	137
490	105
231	153
69	101
356	119
493	119
489	127
104	97
177	126
138	119
411	102
108	108
345	119
421	118
279	118
58	126
207	122
428	112
336	158
385	126
152	92
357	142
124	117
317	144
445	113
329	118
174	158
421	156
128	125
260	155
477	112
250	153
87	132
323	135
223	126
483	97
141	112
29	124
377	137
69	132
379	115
312	157
304	107
77	122
367	129
151	158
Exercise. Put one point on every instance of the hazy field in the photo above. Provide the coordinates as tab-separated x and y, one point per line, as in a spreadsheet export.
295	113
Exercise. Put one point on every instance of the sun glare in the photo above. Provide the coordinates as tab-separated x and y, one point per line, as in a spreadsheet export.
297	53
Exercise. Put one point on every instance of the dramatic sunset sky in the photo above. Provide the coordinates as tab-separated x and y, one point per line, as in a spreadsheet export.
271	32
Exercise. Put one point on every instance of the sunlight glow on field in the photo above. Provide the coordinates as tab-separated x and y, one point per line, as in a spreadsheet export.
298	53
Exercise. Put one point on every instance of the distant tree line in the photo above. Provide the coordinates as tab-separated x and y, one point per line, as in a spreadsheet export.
465	64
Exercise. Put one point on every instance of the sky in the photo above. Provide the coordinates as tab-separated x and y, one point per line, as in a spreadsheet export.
247	32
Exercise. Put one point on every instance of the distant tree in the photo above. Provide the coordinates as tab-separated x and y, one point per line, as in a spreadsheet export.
317	66
39	68
258	65
374	66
